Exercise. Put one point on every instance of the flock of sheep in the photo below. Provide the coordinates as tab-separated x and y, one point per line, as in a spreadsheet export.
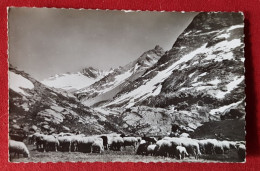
175	147
180	147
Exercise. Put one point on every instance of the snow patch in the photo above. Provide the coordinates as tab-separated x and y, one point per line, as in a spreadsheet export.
16	82
231	86
225	35
215	82
157	91
147	88
235	27
70	81
224	108
191	74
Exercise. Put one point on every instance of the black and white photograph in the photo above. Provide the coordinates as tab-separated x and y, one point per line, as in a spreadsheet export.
126	86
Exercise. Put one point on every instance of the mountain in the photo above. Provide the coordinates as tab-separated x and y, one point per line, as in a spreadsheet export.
75	81
197	84
107	87
200	78
32	104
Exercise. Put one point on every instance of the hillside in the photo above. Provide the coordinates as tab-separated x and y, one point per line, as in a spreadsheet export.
222	130
50	110
200	77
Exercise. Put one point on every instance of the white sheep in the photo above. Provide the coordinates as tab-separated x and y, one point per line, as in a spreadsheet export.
130	141
115	143
75	142
151	149
97	146
181	152
174	140
218	148
192	146
85	144
50	143
142	142
226	145
18	148
38	140
207	146
241	152
65	143
164	148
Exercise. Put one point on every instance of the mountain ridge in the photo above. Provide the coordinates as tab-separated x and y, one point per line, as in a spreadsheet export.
73	81
107	87
49	109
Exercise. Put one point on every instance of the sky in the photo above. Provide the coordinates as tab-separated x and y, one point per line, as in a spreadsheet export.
48	41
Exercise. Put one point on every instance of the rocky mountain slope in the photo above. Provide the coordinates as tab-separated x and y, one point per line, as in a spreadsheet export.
107	87
200	77
32	104
75	81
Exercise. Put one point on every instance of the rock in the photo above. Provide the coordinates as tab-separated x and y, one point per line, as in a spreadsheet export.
47	127
15	126
65	128
34	128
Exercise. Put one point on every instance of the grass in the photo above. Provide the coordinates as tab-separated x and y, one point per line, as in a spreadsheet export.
126	155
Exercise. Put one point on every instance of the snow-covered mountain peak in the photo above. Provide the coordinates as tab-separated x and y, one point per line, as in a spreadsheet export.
107	87
93	73
76	80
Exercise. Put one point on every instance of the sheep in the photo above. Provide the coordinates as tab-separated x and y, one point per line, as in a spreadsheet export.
218	148
39	140
238	143
241	152
97	146
150	140
116	143
75	142
164	148
151	149
64	134
85	144
105	141
65	143
232	145
130	141
175	141
30	139
110	139
226	145
191	146
18	148
142	148
139	139
142	142
50	143
181	152
207	146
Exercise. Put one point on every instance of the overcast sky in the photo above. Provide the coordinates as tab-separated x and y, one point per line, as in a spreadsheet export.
44	42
